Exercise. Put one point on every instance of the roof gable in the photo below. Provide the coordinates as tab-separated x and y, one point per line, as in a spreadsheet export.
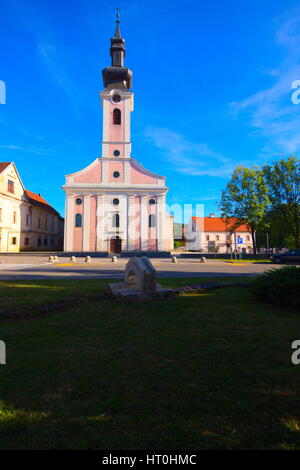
9	169
4	165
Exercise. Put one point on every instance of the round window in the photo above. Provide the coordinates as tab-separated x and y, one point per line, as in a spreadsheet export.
116	174
116	202
116	153
116	98
78	201
151	202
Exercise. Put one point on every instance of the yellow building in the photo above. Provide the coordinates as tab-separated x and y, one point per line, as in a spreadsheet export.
27	221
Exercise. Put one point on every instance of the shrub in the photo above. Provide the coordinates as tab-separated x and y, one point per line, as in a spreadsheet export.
279	286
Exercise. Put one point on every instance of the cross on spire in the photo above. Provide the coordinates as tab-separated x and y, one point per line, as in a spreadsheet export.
118	33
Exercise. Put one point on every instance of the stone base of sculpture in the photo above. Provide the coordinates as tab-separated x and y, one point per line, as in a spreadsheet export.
140	283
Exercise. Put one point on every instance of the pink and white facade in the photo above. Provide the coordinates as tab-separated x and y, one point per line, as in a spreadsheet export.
115	204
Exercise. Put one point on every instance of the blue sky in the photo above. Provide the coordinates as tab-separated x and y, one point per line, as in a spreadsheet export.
212	85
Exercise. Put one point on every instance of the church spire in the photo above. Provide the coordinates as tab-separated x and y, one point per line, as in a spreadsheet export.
117	46
117	74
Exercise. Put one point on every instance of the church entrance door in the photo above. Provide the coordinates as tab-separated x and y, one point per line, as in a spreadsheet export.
115	245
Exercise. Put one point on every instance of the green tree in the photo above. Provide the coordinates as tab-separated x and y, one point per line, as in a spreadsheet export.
272	231
283	180
245	198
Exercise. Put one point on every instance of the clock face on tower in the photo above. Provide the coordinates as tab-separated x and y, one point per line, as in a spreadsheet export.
116	98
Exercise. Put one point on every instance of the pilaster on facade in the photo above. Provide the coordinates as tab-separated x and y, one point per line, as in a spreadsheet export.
86	222
104	171
123	220
68	246
127	149
105	118
127	121
161	215
127	167
100	224
105	149
144	223
131	214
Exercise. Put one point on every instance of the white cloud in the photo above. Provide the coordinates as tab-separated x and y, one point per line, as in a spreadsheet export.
48	54
12	147
190	158
271	110
32	149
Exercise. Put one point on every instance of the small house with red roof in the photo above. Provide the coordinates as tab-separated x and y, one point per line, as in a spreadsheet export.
27	221
215	234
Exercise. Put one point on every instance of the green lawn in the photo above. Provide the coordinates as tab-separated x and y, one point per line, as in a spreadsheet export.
17	294
200	372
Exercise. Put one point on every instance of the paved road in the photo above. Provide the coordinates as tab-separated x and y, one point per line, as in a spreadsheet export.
39	268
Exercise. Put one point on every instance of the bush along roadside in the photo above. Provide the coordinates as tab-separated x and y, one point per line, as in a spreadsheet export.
280	286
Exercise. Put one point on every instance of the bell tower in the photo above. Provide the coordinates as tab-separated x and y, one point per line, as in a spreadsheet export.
115	204
117	101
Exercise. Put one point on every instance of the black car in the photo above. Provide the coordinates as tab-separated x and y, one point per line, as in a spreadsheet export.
290	256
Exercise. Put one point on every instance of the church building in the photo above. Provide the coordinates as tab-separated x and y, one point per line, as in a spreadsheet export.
115	204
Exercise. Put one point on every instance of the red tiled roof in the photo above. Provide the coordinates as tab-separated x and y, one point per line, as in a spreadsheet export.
217	224
4	165
39	201
36	197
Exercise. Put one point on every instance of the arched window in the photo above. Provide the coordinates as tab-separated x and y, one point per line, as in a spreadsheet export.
26	241
152	220
116	220
117	116
78	220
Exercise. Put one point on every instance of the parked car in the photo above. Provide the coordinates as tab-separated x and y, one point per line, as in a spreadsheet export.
290	256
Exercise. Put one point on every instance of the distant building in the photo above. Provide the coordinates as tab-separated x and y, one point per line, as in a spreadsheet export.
211	234
27	221
115	204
